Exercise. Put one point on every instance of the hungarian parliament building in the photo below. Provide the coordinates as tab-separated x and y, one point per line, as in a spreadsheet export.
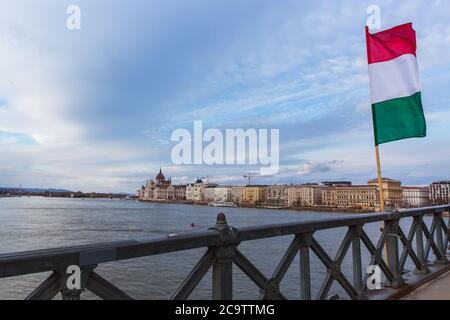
162	189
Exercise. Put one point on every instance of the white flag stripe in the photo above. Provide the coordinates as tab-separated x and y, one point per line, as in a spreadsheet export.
393	79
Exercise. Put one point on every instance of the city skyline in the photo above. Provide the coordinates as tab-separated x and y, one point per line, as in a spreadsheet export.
93	109
327	194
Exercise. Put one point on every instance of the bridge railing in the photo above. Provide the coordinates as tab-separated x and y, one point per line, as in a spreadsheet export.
221	244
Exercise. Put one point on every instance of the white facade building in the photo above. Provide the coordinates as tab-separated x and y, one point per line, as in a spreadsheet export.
440	192
415	196
277	195
209	192
304	195
194	192
222	194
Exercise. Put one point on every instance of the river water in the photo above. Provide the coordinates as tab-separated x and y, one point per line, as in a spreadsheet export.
38	223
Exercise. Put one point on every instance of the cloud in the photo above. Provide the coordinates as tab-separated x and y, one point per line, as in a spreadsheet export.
438	116
313	167
363	107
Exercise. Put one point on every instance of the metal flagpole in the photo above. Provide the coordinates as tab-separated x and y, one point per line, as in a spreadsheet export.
380	187
380	179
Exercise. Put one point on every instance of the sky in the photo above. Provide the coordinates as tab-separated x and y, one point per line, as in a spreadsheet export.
93	109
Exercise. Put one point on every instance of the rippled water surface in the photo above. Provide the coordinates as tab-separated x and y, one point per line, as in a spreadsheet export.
37	223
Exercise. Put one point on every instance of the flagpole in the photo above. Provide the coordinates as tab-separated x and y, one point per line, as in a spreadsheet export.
380	179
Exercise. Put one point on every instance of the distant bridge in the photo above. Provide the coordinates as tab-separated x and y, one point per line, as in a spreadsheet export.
420	243
62	194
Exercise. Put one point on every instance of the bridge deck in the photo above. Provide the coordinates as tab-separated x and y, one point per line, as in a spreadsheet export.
438	289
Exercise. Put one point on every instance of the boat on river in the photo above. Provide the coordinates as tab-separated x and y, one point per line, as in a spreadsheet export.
221	204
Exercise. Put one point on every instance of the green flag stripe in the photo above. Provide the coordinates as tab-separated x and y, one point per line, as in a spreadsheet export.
398	119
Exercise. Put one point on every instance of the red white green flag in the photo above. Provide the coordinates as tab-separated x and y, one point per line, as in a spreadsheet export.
394	84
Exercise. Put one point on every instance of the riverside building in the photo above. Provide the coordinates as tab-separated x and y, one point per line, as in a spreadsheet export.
222	194
254	194
440	192
237	195
162	189
304	195
392	192
353	196
359	196
209	192
415	196
277	195
194	191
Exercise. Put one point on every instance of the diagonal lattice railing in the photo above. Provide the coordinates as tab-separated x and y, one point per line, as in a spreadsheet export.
390	253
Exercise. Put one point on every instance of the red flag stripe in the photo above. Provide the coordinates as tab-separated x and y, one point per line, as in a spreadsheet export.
390	44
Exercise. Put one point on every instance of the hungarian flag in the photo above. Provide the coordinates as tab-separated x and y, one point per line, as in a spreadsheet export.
394	84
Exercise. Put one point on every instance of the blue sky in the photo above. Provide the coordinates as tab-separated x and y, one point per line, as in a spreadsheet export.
94	109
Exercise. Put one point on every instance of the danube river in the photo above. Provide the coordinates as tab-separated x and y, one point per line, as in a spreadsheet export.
38	223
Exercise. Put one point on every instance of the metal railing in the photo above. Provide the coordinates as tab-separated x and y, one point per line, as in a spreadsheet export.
222	251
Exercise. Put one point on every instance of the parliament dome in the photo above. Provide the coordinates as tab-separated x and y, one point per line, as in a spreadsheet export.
160	177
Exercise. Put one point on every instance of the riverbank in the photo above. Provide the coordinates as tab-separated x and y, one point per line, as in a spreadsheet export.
316	208
269	207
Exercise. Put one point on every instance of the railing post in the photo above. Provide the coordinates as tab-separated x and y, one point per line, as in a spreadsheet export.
440	240
393	254
71	294
419	247
305	274
223	263
357	264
